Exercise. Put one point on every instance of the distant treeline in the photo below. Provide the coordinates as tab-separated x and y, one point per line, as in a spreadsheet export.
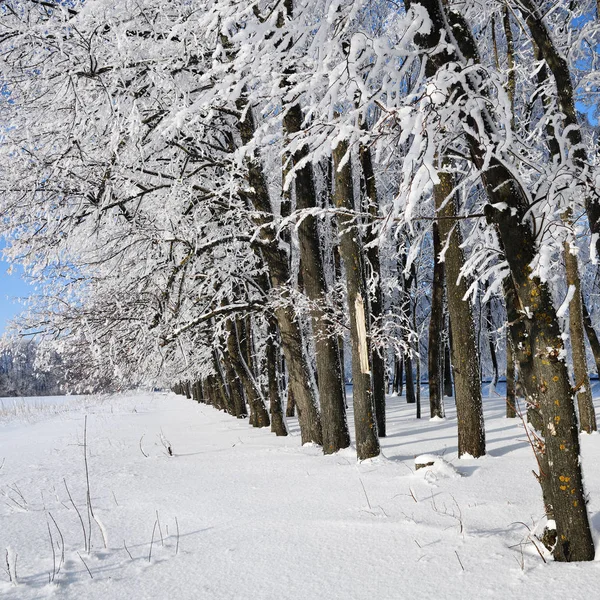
30	369
20	376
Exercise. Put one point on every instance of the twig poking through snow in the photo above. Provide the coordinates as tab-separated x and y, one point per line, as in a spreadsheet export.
162	541
127	550
51	579
88	569
62	544
166	443
141	449
78	514
87	480
152	541
177	545
460	561
365	491
11	566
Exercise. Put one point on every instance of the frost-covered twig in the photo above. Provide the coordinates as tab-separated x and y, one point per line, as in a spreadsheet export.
85	537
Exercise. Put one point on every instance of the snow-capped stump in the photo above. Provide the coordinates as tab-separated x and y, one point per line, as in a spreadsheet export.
435	465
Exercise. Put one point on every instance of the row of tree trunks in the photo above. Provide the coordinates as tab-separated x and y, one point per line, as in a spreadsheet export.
277	260
327	355
550	381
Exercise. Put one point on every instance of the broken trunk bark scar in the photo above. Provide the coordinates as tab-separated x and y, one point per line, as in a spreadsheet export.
361	326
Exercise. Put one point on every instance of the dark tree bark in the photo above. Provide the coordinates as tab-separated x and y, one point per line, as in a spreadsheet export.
465	352
398	375
406	284
278	426
448	386
376	299
435	346
591	335
367	442
511	390
236	391
489	324
259	416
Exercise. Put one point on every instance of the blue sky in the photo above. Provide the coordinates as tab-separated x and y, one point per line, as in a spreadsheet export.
12	287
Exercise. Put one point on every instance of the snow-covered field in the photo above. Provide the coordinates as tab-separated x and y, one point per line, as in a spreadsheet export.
237	513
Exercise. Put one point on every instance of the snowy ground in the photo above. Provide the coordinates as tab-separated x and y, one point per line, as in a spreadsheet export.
260	517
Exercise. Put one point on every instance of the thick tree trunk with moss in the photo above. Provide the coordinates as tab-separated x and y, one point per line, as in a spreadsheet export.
435	346
367	442
587	415
550	380
465	353
328	362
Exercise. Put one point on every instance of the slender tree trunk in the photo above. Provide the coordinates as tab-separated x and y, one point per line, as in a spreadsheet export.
398	376
448	387
278	426
489	324
406	311
435	352
367	442
511	391
465	352
376	299
591	335
587	416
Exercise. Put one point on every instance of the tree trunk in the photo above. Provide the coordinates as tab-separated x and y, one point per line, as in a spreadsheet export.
398	376
591	335
489	325
587	416
465	353
435	352
448	387
329	371
367	442
259	414
278	426
376	299
410	380
511	390
235	389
